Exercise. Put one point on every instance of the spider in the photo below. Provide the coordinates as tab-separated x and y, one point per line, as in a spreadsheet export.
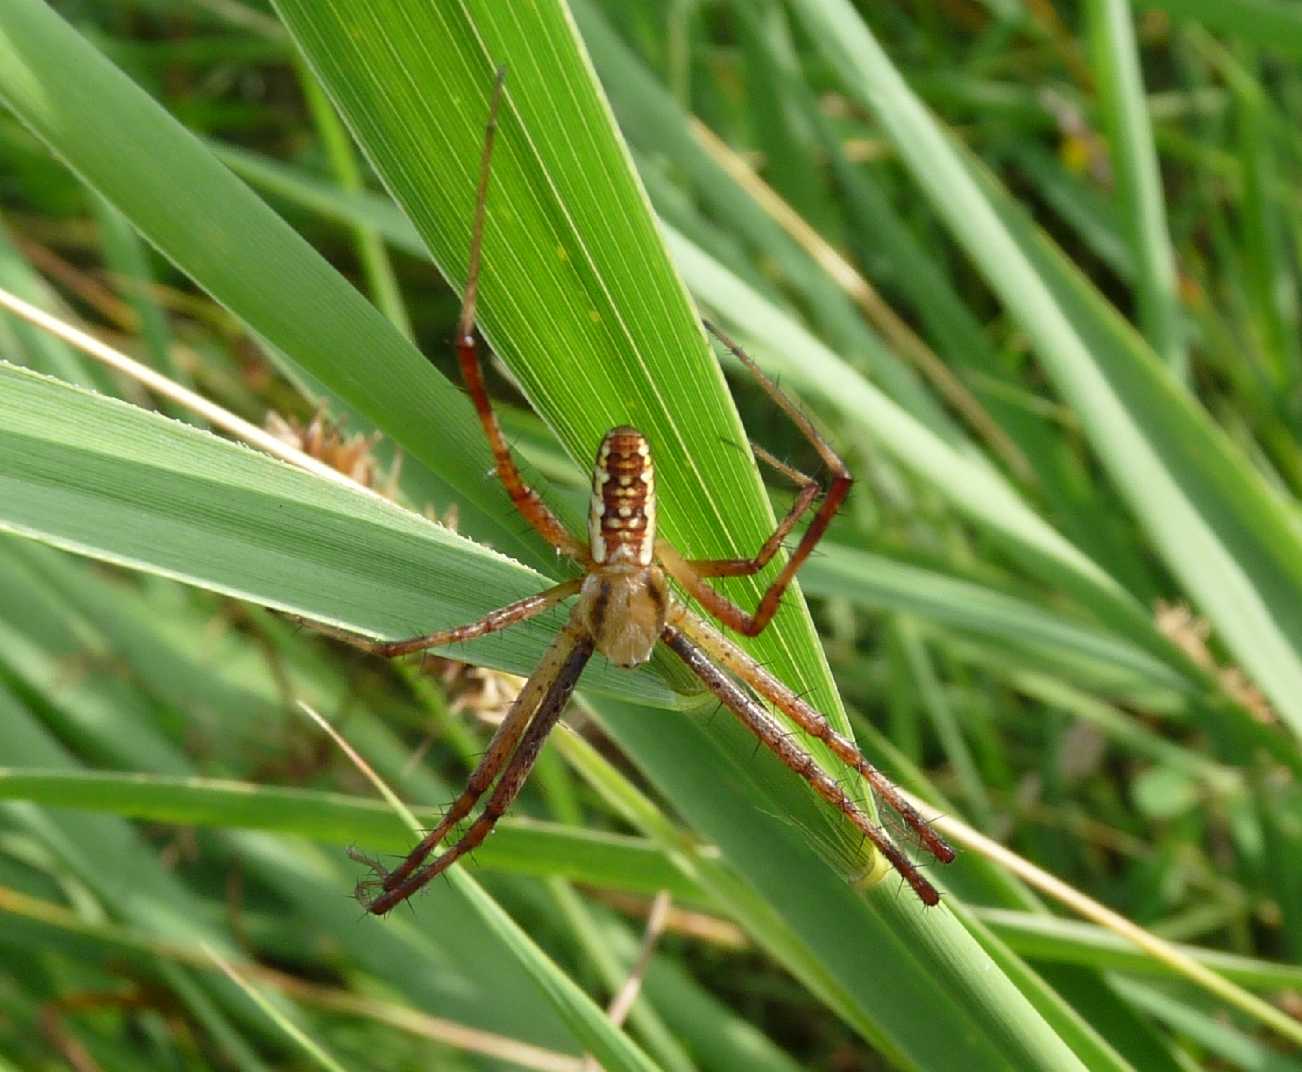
624	607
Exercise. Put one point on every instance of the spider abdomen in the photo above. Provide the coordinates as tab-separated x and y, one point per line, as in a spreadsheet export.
622	514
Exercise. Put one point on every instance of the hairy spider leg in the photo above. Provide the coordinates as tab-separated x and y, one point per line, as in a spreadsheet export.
500	748
775	737
572	649
808	489
525	498
731	658
691	576
519	611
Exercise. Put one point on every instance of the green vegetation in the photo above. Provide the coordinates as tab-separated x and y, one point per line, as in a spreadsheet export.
1036	275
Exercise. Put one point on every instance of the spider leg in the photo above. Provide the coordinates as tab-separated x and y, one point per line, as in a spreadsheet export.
495	620
727	655
557	676
692	577
490	764
776	738
746	567
525	498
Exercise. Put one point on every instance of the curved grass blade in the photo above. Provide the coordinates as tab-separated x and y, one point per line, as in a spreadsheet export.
103	478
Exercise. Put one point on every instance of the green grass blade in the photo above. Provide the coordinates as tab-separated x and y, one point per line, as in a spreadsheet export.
35	348
1067	941
1235	546
521	846
1274	24
295	1033
100	477
659	126
380	277
1110	738
1217	1039
120	871
1135	171
941	1004
212	227
883	583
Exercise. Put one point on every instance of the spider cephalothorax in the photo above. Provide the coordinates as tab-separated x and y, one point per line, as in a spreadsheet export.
624	608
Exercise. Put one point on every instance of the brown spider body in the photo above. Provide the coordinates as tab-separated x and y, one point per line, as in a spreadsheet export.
624	598
624	609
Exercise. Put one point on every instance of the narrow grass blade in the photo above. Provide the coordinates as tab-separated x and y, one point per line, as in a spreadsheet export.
1115	61
520	846
1236	547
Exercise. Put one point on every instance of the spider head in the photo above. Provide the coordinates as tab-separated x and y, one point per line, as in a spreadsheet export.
623	608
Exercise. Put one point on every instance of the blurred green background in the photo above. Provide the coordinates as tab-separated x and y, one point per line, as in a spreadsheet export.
1033	268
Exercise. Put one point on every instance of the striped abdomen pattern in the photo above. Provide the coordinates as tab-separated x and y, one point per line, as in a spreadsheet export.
622	516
